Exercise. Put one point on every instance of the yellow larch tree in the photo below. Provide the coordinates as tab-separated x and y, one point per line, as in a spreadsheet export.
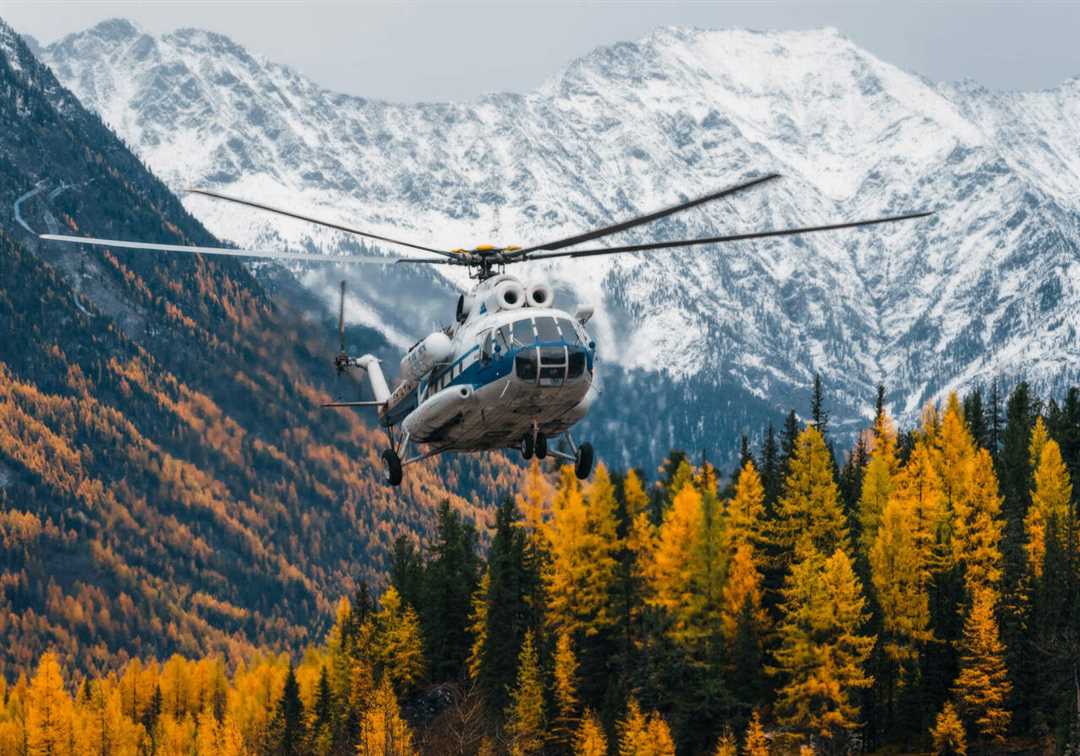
743	586
525	712
641	533
810	514
582	543
566	695
104	728
900	584
948	733
1049	500
746	521
478	614
726	745
953	447
1039	436
50	715
918	488
633	731
673	568
659	737
977	524
877	484
175	737
822	654
398	643
382	730
13	725
232	741
755	742
590	739
982	687
535	499
207	733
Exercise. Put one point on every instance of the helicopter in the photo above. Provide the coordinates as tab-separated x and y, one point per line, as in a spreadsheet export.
514	370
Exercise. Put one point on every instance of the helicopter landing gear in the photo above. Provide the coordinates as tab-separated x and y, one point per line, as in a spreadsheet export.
391	467
581	457
540	446
583	461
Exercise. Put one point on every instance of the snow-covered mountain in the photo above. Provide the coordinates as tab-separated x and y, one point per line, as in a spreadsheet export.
989	286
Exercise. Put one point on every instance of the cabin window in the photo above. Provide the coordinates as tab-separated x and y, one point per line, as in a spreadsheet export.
486	343
525	365
576	364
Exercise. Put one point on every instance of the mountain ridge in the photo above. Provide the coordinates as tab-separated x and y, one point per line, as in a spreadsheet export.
926	307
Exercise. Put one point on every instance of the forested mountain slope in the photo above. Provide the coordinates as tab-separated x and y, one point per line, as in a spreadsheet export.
167	481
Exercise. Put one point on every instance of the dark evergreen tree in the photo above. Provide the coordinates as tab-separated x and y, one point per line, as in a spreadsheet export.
879	401
1063	422
818	413
975	417
407	572
1014	476
745	454
152	713
320	731
770	466
995	424
788	436
851	477
512	607
287	735
449	578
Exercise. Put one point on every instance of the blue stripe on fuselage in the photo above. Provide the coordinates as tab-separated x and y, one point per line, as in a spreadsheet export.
478	375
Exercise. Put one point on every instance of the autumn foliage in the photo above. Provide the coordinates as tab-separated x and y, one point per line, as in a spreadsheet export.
615	616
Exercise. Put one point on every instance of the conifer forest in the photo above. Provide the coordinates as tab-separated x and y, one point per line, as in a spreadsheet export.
917	592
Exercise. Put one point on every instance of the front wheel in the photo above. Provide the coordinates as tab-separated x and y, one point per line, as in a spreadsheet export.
541	446
584	461
391	467
527	446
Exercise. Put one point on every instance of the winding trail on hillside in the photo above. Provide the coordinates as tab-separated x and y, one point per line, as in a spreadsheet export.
22	198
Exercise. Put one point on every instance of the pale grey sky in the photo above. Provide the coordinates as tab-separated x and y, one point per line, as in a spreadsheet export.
415	51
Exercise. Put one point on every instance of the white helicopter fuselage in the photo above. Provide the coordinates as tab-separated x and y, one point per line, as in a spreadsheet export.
511	367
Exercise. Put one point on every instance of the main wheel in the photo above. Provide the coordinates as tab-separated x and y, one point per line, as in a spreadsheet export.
527	446
583	463
541	446
391	467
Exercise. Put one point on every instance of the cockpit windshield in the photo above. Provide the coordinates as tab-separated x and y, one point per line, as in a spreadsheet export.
544	329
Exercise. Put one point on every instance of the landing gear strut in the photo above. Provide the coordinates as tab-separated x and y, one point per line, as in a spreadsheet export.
581	457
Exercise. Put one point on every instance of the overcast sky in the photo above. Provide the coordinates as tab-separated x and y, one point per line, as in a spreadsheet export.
412	51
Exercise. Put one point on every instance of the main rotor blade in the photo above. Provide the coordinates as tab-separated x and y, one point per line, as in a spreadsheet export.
222	251
641	220
317	221
720	239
